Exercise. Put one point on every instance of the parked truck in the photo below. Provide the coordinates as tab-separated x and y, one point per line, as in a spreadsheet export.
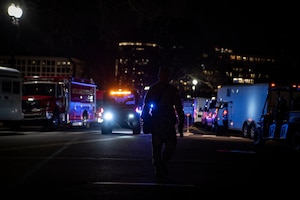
58	101
239	107
261	111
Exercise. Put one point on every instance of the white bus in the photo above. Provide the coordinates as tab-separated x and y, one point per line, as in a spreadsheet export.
10	98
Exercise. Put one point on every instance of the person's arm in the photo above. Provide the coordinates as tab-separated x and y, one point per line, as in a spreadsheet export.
180	113
145	108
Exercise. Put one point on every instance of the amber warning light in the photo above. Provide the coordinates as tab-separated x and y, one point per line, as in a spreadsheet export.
120	92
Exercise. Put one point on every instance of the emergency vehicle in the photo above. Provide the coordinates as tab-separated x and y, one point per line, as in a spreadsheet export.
209	113
199	104
121	110
10	97
262	112
57	101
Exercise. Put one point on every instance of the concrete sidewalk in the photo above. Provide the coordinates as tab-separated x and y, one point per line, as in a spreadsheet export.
185	134
196	130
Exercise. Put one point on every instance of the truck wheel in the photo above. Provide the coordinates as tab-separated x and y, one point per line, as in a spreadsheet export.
85	116
51	124
54	121
251	130
258	137
136	129
245	130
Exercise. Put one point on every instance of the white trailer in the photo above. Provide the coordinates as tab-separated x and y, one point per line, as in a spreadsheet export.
240	107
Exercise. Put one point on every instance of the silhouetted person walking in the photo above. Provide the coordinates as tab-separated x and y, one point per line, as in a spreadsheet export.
167	111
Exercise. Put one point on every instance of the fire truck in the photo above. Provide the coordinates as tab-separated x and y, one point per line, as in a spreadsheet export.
121	110
58	101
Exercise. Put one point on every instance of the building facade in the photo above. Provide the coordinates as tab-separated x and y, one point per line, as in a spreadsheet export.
222	66
45	66
137	66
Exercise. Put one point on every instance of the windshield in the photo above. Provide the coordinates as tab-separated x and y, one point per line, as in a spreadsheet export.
120	100
39	89
290	99
127	100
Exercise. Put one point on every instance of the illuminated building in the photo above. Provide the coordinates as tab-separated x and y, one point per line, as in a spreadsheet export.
46	66
137	65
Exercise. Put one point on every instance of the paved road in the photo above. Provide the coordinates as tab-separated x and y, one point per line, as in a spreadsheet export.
82	164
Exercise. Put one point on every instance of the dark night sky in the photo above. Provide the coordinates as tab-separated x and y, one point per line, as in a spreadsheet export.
91	29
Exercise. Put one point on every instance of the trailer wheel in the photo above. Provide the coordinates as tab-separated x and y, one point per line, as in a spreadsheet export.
245	130
251	130
258	137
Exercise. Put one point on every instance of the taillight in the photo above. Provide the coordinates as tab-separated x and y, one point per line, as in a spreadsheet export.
225	114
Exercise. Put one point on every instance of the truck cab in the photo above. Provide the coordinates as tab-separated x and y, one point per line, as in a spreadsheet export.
281	119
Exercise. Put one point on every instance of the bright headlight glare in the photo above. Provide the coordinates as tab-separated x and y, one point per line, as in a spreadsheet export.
108	116
130	116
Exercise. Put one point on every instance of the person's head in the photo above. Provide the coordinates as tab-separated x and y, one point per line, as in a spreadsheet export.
164	74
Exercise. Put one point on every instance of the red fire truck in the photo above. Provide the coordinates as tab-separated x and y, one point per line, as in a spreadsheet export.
55	102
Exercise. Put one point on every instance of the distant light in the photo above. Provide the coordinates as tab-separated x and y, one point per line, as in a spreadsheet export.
137	44
195	82
15	11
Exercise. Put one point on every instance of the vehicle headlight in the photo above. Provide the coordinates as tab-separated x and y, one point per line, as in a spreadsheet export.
131	116
108	116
